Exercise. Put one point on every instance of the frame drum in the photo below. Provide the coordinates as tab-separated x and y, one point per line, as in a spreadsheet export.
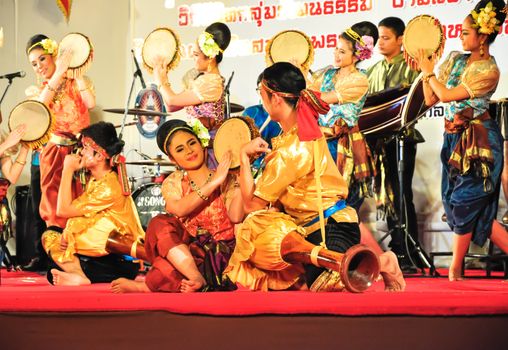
288	46
39	119
82	53
231	136
161	42
423	32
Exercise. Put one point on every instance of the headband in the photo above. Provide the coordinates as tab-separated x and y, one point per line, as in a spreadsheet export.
49	46
208	46
364	45
193	125
308	108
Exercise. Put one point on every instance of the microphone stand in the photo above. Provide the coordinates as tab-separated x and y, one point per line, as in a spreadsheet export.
136	74
226	91
6	88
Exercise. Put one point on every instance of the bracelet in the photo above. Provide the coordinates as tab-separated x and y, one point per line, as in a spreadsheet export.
167	83
426	77
20	162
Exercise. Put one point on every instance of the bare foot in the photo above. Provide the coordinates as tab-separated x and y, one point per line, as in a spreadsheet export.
455	274
391	273
190	286
124	285
61	278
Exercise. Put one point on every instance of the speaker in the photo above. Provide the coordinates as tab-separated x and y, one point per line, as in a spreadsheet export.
27	236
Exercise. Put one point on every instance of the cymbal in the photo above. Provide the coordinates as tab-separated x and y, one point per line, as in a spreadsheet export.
235	107
135	111
160	162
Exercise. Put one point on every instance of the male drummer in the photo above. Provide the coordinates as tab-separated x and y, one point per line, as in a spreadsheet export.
391	72
79	254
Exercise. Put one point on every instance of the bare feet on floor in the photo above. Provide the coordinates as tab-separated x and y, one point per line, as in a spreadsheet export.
61	278
124	285
391	273
190	286
455	274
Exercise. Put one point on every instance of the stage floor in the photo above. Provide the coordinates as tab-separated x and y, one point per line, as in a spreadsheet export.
430	308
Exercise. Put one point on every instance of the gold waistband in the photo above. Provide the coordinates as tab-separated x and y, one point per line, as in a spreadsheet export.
61	140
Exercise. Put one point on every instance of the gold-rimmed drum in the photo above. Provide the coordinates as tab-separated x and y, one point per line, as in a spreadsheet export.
82	53
231	136
37	117
423	32
290	46
161	42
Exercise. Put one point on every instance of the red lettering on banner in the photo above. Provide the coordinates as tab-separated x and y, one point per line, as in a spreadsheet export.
255	13
318	43
315	8
397	3
340	6
331	40
366	7
270	12
454	30
184	15
258	46
352	6
328	8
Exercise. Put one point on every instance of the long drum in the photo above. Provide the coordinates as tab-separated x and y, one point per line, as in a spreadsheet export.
385	112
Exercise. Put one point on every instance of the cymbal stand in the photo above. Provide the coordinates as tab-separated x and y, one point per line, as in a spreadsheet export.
136	74
226	92
6	88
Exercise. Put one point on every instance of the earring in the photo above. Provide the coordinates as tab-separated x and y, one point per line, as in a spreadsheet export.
209	68
481	49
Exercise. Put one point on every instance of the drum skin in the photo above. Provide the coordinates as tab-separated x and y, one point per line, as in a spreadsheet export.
290	45
161	42
37	117
82	53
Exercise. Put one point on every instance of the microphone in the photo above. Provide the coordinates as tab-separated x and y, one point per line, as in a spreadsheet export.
145	156
138	71
229	81
10	76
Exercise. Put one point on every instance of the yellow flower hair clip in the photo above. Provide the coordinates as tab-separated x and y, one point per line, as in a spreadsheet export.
49	46
208	46
485	20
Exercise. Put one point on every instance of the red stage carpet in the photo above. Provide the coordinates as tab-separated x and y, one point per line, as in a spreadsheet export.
432	312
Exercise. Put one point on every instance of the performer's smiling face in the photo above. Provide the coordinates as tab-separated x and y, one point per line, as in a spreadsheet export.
343	54
42	63
186	150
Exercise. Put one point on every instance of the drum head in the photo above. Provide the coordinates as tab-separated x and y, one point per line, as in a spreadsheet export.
423	32
161	42
231	136
290	45
149	202
39	119
81	49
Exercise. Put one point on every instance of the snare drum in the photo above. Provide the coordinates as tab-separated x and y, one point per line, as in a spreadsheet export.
82	53
423	32
161	42
37	117
289	46
231	136
149	202
498	110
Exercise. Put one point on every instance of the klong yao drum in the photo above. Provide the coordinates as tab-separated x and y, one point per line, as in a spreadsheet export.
149	202
82	53
289	46
39	120
422	32
231	136
161	42
386	111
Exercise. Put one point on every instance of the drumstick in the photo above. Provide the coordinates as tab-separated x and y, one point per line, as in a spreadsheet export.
265	124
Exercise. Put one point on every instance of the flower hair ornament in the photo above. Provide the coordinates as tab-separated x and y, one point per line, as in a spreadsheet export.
49	46
200	130
364	45
208	46
485	20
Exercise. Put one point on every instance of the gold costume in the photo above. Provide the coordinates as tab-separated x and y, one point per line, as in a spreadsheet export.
289	178
105	209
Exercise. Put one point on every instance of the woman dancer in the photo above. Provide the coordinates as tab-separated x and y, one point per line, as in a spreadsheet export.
472	154
190	249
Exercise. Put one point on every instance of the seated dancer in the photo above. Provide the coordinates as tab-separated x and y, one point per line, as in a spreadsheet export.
190	249
80	252
271	245
203	95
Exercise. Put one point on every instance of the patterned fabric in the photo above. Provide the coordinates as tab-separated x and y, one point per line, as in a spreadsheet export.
104	209
210	90
214	217
472	155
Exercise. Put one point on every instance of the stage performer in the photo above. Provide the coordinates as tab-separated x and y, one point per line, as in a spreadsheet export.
80	252
189	247
389	73
271	245
203	94
69	100
9	146
472	153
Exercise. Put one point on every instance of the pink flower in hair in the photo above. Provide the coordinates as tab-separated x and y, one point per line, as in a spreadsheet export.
364	48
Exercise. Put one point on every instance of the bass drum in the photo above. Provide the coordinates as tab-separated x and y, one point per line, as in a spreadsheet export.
149	202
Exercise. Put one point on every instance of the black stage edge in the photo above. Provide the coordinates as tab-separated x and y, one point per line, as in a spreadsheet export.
164	330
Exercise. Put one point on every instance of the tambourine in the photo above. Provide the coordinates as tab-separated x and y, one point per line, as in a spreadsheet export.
161	42
290	46
37	117
422	32
82	53
231	136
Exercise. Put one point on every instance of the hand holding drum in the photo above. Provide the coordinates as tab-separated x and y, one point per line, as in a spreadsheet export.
422	33
76	52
